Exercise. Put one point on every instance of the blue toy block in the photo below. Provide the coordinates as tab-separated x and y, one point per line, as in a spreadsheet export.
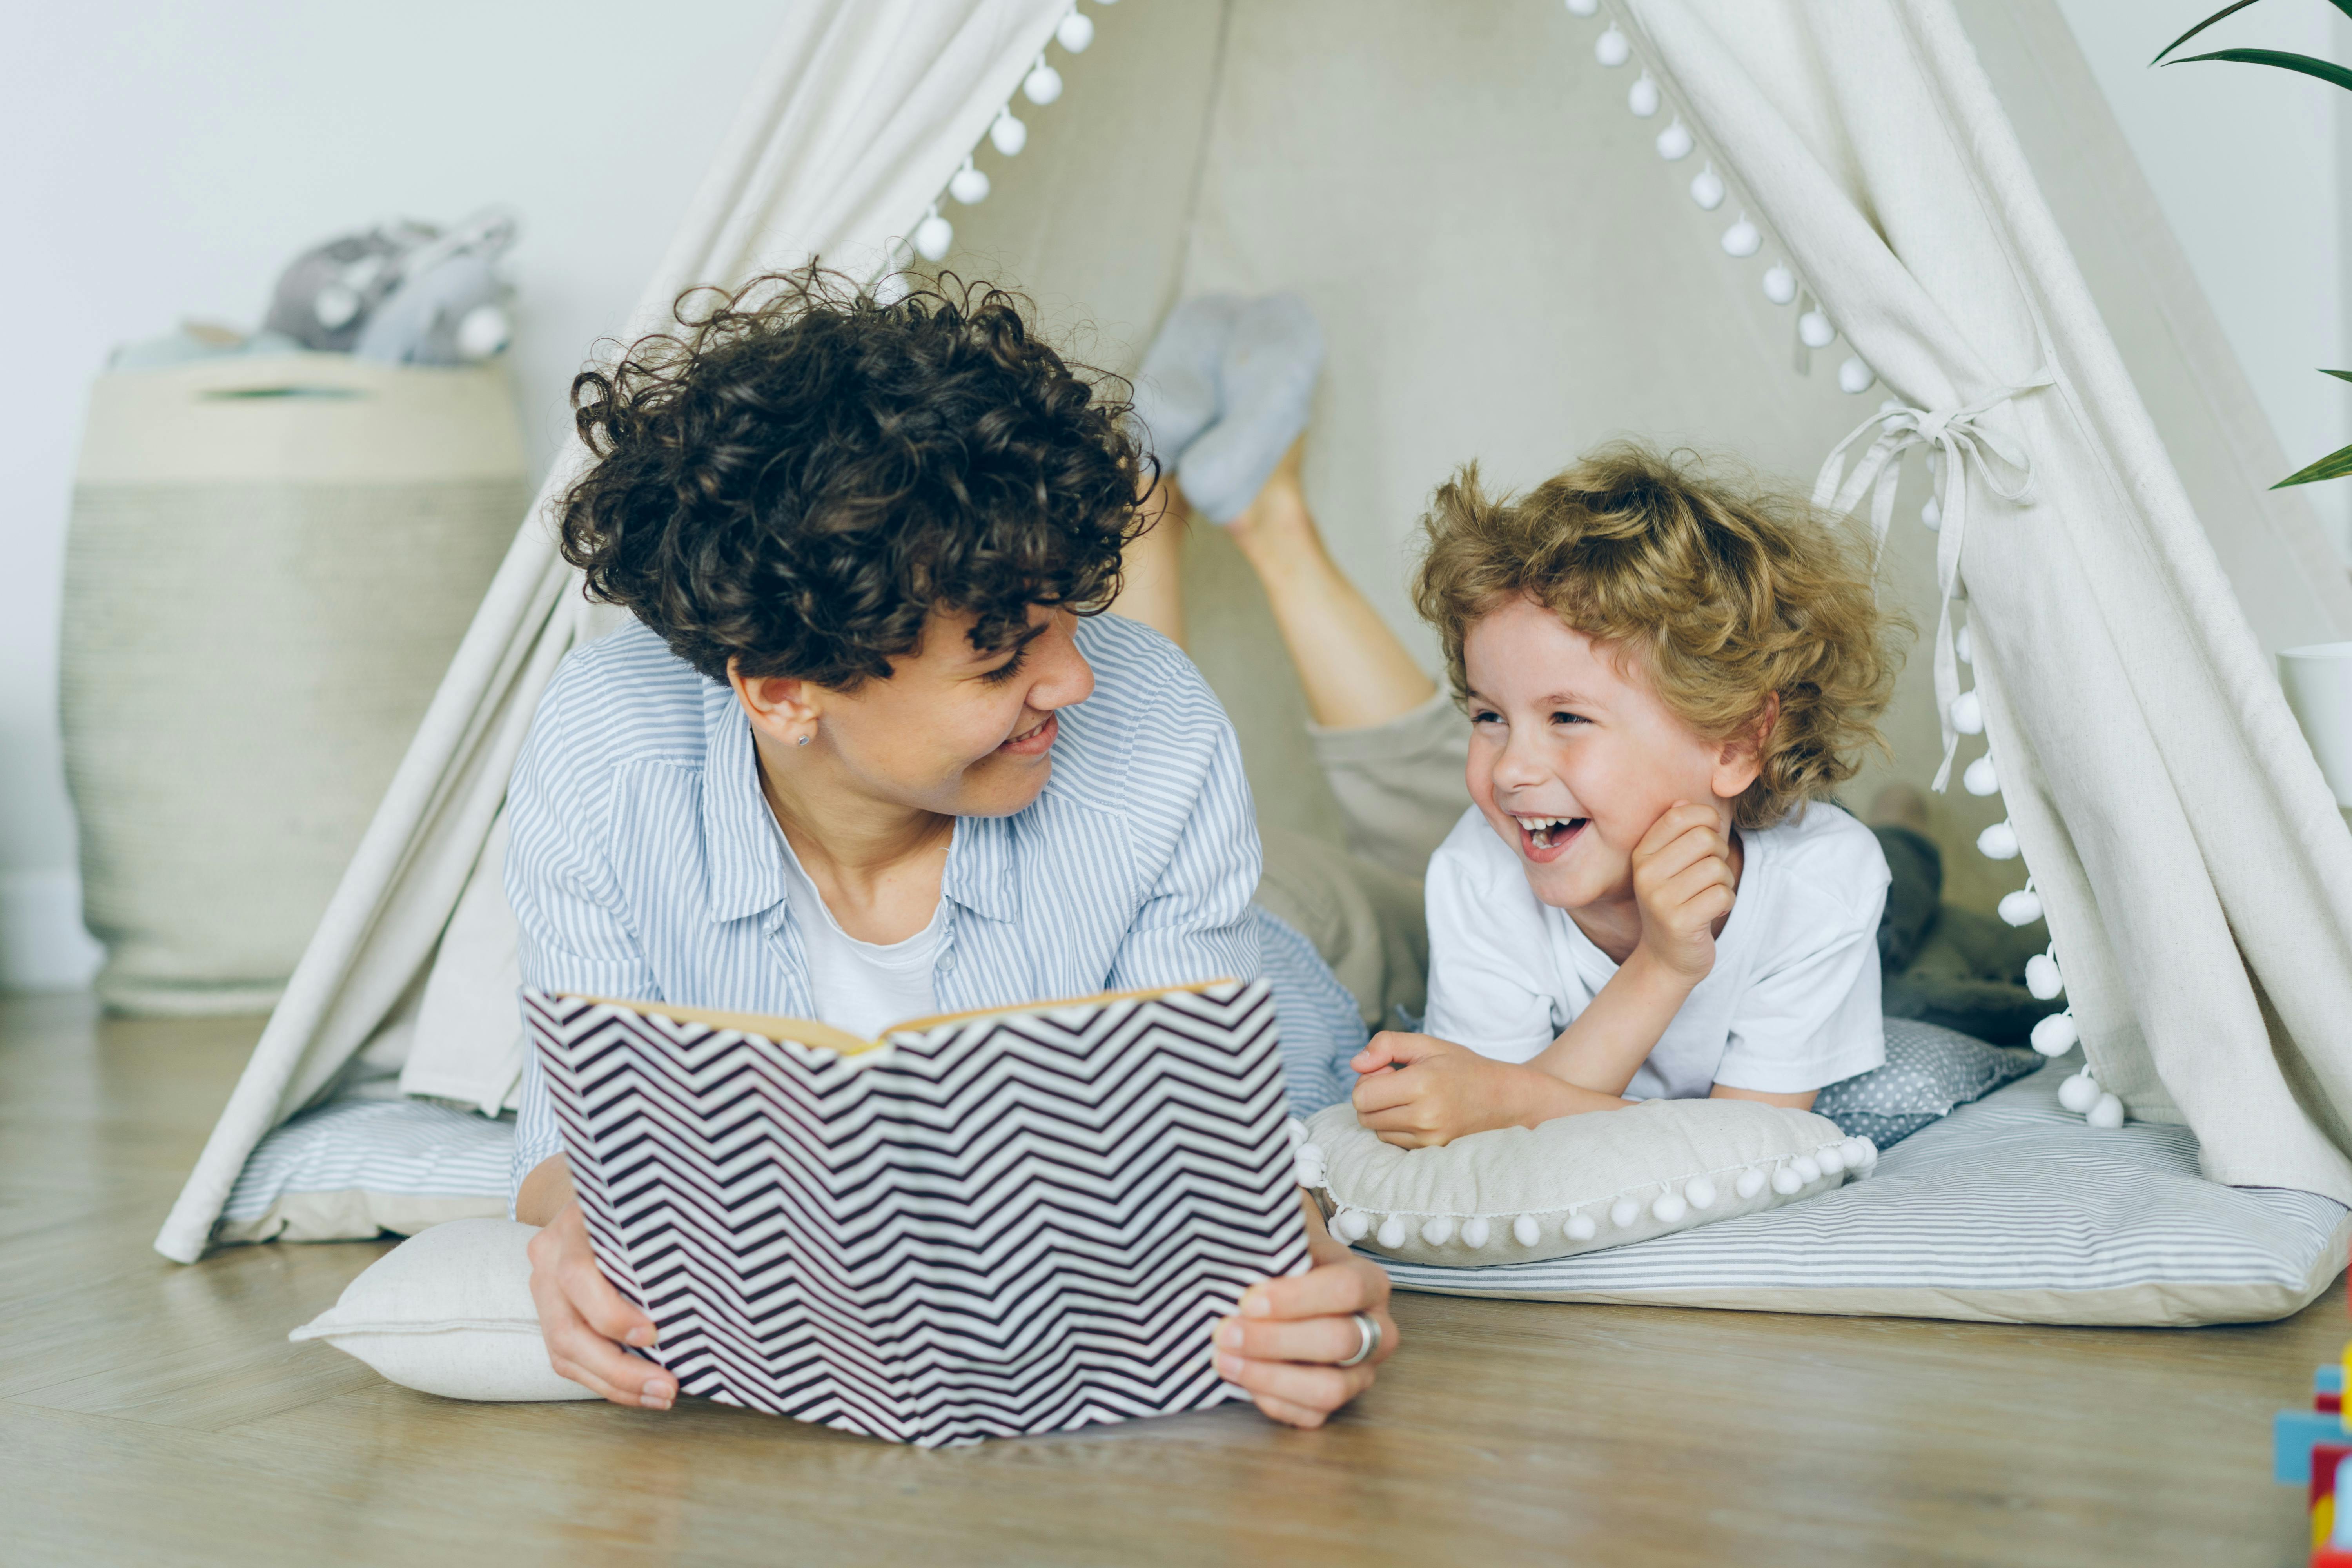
2328	1379
2293	1434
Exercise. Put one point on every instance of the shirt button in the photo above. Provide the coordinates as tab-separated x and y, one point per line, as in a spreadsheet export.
946	961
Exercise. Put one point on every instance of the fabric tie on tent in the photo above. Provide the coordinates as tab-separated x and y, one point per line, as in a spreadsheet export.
1962	437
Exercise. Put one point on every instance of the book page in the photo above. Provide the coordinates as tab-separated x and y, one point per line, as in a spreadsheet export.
824	1037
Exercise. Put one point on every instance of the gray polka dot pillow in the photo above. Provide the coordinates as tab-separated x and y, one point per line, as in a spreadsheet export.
1929	1069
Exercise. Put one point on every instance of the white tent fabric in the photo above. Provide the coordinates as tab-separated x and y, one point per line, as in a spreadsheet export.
1284	144
2160	789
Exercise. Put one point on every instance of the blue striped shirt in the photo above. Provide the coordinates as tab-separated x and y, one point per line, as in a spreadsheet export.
644	861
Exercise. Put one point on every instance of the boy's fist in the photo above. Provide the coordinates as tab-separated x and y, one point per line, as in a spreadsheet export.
1684	882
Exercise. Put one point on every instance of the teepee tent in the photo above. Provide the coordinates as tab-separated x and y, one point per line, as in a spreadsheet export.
1752	225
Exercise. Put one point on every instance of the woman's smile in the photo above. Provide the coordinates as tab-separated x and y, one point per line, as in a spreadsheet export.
1034	740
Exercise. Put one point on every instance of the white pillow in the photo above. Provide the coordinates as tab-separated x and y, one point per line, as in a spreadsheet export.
449	1312
1576	1184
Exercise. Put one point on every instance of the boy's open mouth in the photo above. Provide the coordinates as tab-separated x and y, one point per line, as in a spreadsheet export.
1543	838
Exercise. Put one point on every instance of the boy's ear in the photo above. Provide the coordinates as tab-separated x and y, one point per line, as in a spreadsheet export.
1741	758
783	707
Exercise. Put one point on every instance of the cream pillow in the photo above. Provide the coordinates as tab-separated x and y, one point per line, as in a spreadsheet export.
1577	1184
449	1312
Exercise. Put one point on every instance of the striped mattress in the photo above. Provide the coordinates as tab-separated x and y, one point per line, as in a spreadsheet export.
2009	1210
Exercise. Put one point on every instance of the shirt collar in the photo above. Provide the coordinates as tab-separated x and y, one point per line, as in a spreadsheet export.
742	859
979	874
743	852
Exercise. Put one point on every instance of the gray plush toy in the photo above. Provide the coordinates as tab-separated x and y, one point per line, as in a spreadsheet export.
403	292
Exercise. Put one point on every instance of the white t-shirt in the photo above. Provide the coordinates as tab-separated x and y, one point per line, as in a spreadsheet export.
1791	1003
862	986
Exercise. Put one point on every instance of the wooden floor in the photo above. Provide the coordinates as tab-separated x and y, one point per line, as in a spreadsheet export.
152	1413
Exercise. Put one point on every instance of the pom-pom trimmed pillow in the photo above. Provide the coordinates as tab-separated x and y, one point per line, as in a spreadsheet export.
449	1312
1518	1194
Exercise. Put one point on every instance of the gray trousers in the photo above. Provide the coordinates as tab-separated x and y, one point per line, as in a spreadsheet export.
1400	790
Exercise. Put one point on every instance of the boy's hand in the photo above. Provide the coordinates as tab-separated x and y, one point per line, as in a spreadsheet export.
1442	1092
1684	882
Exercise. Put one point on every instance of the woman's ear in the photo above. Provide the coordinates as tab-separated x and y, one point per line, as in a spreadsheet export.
1741	758
781	708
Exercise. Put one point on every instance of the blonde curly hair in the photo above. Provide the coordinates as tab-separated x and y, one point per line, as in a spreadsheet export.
1723	592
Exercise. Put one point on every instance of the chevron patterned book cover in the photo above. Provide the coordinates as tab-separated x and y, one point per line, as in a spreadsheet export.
982	1226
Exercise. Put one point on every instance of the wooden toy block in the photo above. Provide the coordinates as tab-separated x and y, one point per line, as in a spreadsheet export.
2326	1467
2293	1434
2331	1480
2328	1379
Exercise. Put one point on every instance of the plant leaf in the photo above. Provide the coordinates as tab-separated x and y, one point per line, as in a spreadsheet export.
2323	69
2339	374
2224	11
2335	465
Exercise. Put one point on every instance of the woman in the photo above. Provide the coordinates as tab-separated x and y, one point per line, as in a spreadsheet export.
869	755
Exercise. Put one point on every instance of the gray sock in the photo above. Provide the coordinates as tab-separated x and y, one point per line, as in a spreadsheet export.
1267	379
1176	387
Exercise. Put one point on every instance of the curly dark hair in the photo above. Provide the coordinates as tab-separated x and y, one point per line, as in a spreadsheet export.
801	473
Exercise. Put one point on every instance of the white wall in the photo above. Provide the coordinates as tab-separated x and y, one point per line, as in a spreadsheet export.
166	159
2253	168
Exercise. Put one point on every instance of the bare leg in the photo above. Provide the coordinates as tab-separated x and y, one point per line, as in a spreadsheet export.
1154	563
1355	671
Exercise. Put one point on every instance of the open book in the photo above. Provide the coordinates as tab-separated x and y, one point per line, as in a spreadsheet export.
983	1224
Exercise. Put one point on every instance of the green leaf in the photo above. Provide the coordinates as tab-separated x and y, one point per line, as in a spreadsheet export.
2338	374
2335	465
2224	11
2323	69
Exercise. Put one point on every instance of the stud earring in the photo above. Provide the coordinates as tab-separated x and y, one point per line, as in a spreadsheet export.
804	740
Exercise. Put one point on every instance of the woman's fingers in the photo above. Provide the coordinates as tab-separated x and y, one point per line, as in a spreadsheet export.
582	1316
588	1358
1332	1290
1323	1339
599	1306
1316	1388
1289	1414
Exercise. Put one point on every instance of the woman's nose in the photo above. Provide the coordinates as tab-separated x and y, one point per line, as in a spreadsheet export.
1064	676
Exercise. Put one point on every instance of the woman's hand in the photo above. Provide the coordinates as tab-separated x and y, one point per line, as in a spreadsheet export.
1282	1344
1684	883
1442	1091
585	1320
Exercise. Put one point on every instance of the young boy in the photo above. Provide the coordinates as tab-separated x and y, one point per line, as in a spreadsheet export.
1663	672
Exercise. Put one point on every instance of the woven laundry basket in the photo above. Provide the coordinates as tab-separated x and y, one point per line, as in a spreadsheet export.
271	561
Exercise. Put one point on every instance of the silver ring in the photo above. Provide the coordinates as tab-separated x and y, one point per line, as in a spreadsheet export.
1371	1331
